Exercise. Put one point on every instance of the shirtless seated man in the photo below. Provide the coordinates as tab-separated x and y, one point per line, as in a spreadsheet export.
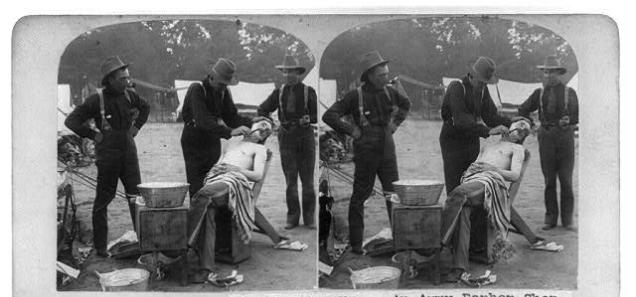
243	161
484	184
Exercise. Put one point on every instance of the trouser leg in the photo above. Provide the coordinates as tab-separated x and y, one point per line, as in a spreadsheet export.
202	224
262	223
306	171
364	178
131	178
566	168
453	207
289	163
108	169
461	246
549	165
199	207
388	173
521	226
462	239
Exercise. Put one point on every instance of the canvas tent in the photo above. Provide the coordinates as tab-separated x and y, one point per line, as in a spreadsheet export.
64	106
243	93
327	95
511	92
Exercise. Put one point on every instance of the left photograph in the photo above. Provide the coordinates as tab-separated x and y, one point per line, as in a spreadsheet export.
186	159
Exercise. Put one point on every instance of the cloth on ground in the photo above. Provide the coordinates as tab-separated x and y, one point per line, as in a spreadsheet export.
496	196
240	201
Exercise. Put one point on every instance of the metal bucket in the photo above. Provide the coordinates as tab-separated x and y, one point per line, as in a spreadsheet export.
128	279
163	194
378	277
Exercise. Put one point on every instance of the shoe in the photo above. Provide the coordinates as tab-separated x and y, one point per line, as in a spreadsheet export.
290	226
311	226
548	227
454	275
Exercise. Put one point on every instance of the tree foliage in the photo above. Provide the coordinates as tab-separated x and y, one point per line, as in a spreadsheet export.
430	48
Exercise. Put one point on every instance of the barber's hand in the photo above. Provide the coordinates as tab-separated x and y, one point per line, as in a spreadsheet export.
356	133
501	129
564	121
304	120
242	130
98	137
133	131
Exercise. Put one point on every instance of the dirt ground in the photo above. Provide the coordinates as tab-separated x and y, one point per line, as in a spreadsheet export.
419	156
160	159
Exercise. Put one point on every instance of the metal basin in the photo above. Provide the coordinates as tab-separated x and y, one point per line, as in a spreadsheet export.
163	194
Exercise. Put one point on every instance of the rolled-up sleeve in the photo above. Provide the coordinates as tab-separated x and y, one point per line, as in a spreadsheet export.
144	110
77	118
403	104
333	115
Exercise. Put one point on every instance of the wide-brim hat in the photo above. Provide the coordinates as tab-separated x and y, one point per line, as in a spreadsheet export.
484	70
110	65
289	62
552	63
370	60
223	71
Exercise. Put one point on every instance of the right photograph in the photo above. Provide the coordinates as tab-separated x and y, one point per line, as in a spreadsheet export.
448	156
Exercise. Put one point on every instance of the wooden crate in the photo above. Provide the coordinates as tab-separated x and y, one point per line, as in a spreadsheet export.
416	227
162	229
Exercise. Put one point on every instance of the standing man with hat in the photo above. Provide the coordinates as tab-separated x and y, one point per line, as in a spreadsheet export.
559	114
119	113
468	113
297	110
209	114
377	110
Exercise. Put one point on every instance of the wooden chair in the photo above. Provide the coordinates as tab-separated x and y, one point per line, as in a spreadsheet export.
482	234
229	247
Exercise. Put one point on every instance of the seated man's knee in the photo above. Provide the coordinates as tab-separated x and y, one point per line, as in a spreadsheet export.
212	192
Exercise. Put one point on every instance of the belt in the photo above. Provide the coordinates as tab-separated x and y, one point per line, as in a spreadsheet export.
294	123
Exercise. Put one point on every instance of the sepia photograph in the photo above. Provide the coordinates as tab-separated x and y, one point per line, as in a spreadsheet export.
455	124
173	154
382	152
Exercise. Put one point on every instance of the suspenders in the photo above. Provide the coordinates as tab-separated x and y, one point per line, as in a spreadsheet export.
102	110
226	90
481	99
280	101
363	118
566	98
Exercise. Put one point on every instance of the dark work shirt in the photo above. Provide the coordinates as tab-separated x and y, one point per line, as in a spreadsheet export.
463	108
552	117
119	112
272	103
378	108
206	108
